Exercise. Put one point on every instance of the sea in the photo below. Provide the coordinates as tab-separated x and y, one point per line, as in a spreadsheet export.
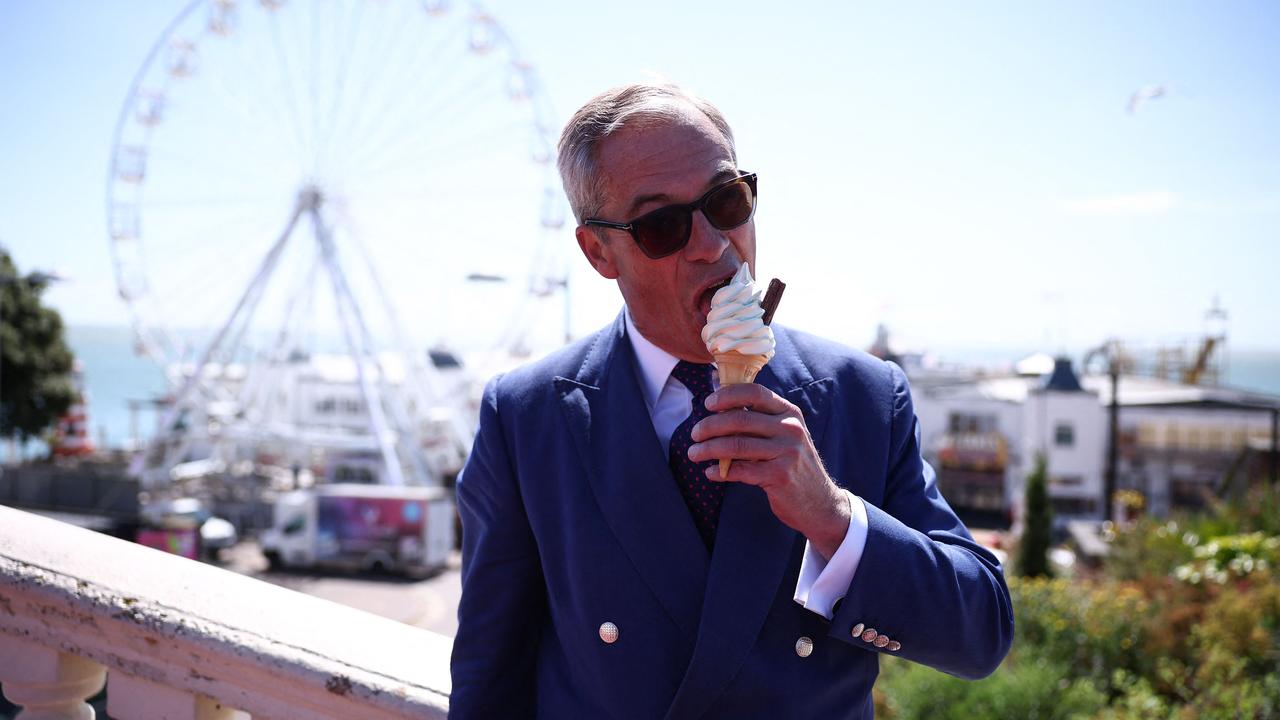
115	378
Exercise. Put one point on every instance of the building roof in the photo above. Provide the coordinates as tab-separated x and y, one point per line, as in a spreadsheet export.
1139	391
1037	364
1063	378
1135	391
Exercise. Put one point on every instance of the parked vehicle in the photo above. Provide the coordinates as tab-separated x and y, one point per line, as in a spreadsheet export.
184	526
379	528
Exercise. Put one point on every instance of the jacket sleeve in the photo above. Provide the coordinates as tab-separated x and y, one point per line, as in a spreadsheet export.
922	580
500	614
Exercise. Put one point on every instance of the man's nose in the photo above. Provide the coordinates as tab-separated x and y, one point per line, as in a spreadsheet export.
706	244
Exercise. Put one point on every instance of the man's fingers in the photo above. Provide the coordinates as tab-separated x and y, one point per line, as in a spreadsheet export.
750	395
734	447
738	421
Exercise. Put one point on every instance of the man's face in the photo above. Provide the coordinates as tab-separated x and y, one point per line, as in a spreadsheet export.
647	166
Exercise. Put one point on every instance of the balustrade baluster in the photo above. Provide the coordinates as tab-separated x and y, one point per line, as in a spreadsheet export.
47	684
133	698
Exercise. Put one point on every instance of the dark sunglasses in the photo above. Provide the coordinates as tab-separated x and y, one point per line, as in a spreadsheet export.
666	230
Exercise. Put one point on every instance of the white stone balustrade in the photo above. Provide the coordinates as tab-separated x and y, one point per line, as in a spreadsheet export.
181	640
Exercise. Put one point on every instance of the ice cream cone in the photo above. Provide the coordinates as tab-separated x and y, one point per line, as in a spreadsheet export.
736	369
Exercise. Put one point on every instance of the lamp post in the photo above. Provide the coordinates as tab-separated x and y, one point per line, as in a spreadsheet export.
1110	351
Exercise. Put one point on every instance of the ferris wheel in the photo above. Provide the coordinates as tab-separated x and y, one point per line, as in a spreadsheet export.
292	176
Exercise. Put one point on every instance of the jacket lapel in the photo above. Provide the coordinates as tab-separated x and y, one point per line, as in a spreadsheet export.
630	479
752	553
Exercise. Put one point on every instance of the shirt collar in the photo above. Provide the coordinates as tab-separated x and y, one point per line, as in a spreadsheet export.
655	363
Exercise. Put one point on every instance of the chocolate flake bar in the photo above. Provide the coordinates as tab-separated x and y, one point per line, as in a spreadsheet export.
771	298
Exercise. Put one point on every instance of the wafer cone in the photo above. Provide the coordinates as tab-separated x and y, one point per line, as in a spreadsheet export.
736	369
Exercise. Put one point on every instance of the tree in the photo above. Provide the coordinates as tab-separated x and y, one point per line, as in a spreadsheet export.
35	362
1037	524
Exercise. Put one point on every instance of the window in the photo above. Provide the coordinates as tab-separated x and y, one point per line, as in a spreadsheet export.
1193	438
1147	435
958	423
296	524
1217	438
1064	435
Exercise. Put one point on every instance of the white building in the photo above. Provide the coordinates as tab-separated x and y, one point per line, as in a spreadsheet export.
1178	442
982	435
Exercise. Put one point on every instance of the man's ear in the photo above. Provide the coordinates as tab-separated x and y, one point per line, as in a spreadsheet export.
597	251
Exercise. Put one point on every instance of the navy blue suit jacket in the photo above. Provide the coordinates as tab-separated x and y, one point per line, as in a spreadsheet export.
571	519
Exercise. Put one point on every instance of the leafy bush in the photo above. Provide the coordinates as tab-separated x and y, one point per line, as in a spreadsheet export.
1149	548
1182	624
1258	511
1231	557
1091	630
1033	549
1032	690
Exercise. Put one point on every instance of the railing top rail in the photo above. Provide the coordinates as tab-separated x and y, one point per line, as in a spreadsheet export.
246	643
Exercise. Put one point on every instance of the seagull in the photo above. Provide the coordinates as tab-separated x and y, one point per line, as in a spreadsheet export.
1143	94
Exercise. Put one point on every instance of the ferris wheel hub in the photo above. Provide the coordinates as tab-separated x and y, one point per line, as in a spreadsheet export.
311	197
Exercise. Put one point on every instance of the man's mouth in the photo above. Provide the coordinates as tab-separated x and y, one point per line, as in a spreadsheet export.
704	299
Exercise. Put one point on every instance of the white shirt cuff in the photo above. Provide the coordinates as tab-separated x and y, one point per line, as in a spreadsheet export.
822	583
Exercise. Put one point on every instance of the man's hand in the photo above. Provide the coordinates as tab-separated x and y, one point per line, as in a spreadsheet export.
767	440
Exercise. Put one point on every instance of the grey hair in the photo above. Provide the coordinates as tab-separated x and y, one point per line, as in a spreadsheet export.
609	112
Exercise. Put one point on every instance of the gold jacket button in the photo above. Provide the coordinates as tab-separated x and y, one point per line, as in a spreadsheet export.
804	647
857	630
894	646
609	633
869	634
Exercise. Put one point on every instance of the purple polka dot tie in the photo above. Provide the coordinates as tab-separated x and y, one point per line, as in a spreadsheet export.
703	496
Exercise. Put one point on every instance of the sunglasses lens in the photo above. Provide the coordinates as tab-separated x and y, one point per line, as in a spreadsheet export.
663	231
730	206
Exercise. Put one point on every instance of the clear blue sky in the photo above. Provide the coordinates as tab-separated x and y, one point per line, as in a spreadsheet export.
965	172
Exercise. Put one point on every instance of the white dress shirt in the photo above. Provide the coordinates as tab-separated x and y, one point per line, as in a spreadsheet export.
822	582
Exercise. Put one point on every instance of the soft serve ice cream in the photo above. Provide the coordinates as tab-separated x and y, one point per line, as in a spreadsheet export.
736	334
735	323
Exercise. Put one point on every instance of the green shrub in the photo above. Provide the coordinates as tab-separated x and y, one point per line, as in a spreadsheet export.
1089	628
1258	511
1031	690
1182	624
1231	557
1149	548
1137	700
1033	548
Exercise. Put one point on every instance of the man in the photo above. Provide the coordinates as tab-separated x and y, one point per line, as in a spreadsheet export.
590	587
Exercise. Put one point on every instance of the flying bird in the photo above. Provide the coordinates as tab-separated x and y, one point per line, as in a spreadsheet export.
1143	94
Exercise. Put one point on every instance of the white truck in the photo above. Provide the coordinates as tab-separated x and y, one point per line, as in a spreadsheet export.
379	528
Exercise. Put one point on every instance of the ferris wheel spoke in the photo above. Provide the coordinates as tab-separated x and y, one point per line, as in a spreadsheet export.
286	76
487	138
207	202
343	72
179	232
313	75
248	114
390	40
196	305
371	121
406	134
222	78
462	86
399	192
218	162
254	58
